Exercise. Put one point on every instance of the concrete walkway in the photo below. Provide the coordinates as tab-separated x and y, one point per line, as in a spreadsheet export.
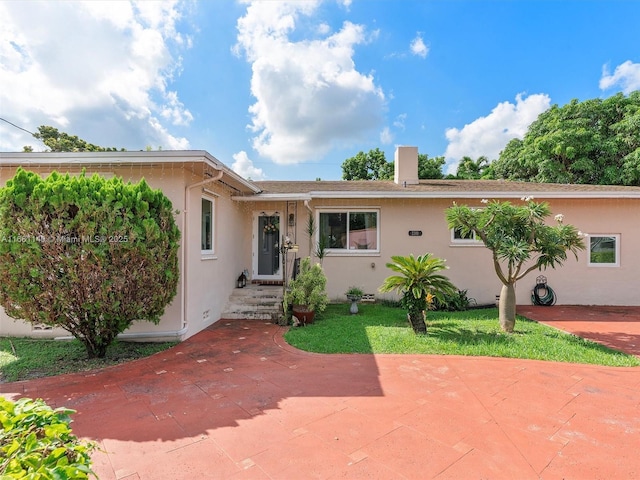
235	402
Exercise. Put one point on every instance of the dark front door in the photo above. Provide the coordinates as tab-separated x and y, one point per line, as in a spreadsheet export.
267	254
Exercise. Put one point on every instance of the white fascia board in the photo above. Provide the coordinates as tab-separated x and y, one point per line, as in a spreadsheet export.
273	197
122	159
99	158
218	165
487	195
431	195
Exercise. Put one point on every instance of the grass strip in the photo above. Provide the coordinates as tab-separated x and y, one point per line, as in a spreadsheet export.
383	329
27	358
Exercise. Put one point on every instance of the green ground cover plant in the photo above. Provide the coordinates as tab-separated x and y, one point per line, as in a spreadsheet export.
384	329
27	358
36	442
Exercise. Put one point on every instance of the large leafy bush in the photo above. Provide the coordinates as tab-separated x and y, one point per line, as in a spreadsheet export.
87	254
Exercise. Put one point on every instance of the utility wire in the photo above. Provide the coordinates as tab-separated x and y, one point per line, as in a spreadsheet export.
14	125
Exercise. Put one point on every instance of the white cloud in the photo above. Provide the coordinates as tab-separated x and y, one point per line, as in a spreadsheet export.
244	167
489	135
418	47
386	137
309	95
400	120
626	76
98	69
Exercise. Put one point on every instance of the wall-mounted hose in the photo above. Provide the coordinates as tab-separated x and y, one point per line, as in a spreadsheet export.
542	293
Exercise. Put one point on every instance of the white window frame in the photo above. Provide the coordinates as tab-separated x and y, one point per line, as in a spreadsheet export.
615	236
348	210
465	241
208	253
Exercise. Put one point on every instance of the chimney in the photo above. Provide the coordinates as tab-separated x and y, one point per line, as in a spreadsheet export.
406	166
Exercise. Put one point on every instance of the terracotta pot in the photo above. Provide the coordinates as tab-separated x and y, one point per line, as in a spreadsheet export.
303	314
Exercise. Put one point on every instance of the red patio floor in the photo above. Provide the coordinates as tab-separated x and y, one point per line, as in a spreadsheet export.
616	327
235	402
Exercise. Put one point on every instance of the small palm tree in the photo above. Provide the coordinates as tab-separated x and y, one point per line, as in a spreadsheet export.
418	282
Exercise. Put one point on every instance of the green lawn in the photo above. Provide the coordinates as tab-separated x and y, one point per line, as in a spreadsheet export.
383	329
25	358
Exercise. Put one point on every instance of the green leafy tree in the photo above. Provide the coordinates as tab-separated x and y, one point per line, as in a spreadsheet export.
374	166
430	168
419	283
592	142
470	169
520	242
367	166
58	141
86	254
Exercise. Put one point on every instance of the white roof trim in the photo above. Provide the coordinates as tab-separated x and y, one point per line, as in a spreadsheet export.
273	197
434	195
121	159
56	158
487	194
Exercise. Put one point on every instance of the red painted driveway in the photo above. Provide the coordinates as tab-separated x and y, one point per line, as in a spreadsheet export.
235	402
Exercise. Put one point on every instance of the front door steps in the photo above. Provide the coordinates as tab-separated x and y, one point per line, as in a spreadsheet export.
255	302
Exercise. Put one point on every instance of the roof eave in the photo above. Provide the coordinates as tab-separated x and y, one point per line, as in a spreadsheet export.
126	158
435	195
274	197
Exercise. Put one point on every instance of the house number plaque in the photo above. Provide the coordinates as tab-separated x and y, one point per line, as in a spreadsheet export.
415	233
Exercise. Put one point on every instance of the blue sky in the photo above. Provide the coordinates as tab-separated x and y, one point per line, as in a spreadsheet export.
289	90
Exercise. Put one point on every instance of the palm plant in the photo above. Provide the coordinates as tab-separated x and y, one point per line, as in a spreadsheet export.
419	284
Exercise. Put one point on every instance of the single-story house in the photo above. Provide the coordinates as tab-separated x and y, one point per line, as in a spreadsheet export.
230	224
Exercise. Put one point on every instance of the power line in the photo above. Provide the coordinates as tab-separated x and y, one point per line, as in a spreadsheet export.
14	125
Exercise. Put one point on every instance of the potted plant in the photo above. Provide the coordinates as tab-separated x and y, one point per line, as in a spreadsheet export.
307	292
354	294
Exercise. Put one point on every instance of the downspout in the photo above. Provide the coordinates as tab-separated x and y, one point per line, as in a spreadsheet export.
185	224
306	204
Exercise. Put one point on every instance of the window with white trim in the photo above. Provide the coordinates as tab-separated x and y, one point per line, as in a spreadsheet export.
206	227
604	250
349	230
458	238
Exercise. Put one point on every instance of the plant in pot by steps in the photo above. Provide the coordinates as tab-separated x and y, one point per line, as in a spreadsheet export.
307	292
354	294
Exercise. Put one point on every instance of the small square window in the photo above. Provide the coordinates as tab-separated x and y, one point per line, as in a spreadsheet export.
458	237
604	250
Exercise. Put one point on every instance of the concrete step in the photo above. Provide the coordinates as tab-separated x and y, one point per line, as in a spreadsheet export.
258	302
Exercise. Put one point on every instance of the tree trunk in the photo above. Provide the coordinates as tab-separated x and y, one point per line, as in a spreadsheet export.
507	308
417	322
96	347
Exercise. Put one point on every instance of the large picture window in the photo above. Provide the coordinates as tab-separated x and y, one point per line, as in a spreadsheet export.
604	250
206	230
349	230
